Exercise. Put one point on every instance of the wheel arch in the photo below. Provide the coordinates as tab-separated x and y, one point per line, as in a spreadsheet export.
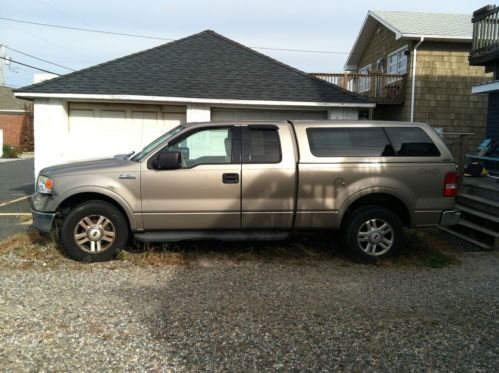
77	197
382	199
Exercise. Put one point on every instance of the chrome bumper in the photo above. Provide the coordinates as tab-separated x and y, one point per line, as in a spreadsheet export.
449	218
43	220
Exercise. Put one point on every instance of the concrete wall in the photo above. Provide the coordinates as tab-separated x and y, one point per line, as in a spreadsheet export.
51	132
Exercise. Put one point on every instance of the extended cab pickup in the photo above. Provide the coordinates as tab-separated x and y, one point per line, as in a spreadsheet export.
255	180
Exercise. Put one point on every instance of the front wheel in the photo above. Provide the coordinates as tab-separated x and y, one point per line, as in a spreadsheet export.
94	231
372	233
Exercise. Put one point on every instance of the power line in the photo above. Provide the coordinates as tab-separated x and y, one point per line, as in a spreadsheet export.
87	29
154	37
38	58
33	67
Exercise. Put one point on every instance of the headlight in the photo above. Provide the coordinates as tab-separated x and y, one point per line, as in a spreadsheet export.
44	185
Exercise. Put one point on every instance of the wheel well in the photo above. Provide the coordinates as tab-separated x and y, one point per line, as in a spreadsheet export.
384	200
76	199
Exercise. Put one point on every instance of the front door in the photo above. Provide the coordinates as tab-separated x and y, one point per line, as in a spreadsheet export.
205	193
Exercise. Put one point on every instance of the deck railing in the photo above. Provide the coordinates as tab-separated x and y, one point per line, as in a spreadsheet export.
485	34
384	88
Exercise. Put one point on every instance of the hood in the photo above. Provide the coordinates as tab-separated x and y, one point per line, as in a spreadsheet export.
93	166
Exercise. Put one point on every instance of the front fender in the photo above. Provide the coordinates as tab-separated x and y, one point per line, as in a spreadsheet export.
57	200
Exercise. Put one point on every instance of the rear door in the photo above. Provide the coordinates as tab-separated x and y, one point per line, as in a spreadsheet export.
268	176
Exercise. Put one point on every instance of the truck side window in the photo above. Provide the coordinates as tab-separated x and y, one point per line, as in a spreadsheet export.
208	146
349	142
411	142
262	145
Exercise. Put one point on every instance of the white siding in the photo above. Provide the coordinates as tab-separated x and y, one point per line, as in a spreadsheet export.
77	131
229	114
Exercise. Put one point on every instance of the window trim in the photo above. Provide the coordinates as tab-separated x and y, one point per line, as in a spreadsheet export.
395	52
376	157
236	147
412	156
308	130
246	150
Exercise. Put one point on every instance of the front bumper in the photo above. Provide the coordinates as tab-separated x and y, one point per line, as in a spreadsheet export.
43	220
450	217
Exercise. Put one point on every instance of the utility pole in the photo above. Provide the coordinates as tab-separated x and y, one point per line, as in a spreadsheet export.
2	65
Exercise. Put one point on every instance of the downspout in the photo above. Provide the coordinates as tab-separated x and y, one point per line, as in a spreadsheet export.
414	58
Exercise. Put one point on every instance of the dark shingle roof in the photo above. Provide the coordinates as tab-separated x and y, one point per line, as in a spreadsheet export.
9	102
204	65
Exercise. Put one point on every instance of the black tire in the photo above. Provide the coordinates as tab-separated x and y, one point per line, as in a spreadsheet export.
356	230
117	227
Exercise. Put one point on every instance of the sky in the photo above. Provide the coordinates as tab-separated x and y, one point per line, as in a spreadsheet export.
324	25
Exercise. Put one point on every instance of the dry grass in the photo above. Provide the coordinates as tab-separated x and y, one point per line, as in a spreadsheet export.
31	250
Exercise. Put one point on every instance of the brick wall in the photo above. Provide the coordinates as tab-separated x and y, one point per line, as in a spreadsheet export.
12	125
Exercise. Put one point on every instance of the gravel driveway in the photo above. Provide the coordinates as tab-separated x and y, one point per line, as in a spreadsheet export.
219	315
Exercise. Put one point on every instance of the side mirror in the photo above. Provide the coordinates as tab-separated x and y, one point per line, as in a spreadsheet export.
168	161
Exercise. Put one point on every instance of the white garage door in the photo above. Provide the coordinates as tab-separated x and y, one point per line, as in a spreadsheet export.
225	114
97	130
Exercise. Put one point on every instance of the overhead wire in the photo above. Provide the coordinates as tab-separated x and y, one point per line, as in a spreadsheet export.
156	37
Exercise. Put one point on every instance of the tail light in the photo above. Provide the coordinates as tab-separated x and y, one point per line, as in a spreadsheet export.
450	184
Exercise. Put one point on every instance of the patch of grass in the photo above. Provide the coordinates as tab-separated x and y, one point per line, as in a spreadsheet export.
31	250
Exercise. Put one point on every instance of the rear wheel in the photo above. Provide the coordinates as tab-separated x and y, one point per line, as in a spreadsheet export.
372	233
94	231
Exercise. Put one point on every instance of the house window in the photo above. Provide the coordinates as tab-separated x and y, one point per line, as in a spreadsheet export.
397	61
364	84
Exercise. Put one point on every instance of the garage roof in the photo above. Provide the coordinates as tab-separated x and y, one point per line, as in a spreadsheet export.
205	65
411	26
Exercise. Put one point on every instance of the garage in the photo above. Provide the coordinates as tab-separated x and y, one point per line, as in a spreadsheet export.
116	107
229	114
97	130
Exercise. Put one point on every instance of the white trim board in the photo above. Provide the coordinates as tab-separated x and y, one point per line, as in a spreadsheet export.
185	100
13	111
486	87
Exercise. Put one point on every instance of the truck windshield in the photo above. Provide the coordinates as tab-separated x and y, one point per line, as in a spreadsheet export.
147	149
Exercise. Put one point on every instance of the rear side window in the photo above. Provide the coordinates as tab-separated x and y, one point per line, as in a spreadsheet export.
411	142
349	142
261	145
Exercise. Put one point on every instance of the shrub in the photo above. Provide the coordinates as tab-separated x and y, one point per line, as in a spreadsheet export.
10	151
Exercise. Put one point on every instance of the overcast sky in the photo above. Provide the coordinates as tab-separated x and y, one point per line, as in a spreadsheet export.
312	24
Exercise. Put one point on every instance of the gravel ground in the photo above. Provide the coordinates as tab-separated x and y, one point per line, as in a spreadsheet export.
252	316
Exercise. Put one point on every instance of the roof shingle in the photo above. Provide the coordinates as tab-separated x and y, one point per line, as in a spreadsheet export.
204	65
9	102
444	25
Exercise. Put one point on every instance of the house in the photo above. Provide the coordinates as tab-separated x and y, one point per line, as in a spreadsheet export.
15	120
485	52
415	65
121	105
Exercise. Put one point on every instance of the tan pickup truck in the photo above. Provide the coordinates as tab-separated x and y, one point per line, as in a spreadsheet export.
255	181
